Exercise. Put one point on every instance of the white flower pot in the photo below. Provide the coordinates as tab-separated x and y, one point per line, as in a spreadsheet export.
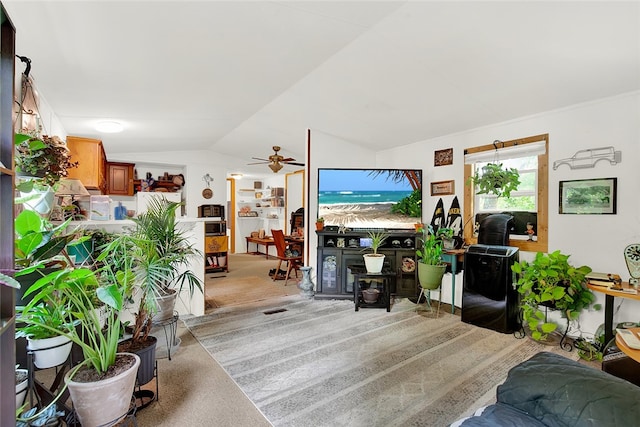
21	388
49	352
373	262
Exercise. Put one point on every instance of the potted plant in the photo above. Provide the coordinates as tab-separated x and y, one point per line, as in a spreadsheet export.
22	381
44	324
159	253
374	261
431	268
495	179
105	375
319	224
47	159
550	281
43	161
445	234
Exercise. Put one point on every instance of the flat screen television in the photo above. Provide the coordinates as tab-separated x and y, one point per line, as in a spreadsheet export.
370	198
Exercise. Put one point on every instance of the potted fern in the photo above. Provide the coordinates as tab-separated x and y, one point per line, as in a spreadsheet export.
551	281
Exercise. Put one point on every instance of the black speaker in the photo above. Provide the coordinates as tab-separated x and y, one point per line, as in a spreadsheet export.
489	299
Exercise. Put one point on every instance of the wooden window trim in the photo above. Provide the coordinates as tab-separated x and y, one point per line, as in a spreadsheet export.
541	245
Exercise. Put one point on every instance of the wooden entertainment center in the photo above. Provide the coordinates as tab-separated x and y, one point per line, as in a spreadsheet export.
341	253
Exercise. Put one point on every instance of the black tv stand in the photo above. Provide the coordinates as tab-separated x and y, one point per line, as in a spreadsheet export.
340	253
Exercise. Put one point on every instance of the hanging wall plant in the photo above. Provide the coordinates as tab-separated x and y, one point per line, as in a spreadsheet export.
495	179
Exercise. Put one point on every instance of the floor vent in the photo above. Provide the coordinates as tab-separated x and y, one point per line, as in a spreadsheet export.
277	310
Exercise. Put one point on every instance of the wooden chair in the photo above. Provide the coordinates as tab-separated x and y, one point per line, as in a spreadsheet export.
293	262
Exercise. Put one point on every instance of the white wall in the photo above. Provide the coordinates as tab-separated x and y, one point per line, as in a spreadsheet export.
593	240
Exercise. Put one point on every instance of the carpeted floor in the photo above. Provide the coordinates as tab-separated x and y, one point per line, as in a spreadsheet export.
247	282
320	363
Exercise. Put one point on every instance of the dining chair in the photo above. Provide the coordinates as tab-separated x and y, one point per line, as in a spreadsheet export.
285	254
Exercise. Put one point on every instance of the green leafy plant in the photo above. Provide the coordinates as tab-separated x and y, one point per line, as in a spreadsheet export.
160	254
47	159
51	319
39	242
430	250
75	286
549	280
410	205
494	179
378	237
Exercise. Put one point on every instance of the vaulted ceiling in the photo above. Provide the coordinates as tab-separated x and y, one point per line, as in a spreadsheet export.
238	77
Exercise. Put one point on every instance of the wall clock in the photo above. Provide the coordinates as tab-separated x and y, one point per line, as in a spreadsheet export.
632	257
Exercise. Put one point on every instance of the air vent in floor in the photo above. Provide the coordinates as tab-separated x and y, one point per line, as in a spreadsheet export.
277	310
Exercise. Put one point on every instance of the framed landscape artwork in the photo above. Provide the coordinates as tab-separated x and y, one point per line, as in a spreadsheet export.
589	196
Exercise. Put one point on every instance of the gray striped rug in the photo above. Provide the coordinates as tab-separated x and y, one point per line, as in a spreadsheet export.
320	363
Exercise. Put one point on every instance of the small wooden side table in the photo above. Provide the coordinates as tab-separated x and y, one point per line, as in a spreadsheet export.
634	354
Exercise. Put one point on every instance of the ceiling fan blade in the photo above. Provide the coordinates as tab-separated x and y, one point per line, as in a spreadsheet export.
260	163
258	158
295	163
288	159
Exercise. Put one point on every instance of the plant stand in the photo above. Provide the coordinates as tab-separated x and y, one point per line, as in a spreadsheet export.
383	280
39	394
145	397
170	328
564	343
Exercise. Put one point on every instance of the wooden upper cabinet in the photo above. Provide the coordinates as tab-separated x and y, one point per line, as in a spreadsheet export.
92	162
120	178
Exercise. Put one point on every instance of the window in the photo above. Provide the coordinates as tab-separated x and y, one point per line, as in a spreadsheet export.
528	204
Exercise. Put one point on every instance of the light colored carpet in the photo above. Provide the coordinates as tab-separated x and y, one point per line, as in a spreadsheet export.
320	363
247	282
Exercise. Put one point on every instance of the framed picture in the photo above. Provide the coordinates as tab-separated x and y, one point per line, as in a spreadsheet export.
442	188
443	157
588	196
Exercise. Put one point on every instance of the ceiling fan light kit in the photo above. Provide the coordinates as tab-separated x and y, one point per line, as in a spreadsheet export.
275	161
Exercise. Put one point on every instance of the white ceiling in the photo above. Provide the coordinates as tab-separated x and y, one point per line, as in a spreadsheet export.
237	77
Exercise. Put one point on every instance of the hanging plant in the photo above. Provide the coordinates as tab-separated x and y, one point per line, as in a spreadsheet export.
495	179
45	159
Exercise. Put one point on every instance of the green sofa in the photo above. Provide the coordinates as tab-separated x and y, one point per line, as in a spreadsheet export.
553	391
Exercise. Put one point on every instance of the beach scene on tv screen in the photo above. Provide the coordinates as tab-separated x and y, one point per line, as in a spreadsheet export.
370	198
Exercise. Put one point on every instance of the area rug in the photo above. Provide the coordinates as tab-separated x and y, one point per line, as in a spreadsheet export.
320	363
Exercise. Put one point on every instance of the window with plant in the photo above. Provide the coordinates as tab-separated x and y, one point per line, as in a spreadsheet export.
518	169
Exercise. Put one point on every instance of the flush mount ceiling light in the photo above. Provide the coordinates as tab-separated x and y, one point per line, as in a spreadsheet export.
109	127
236	175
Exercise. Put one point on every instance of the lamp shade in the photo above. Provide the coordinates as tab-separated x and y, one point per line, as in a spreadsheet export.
71	187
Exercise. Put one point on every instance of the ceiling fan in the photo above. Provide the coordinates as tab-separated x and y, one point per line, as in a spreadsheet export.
275	160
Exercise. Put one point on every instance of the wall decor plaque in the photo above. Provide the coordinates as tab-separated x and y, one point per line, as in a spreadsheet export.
443	157
443	188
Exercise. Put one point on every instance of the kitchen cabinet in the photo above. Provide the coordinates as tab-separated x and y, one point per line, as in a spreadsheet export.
120	178
92	162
